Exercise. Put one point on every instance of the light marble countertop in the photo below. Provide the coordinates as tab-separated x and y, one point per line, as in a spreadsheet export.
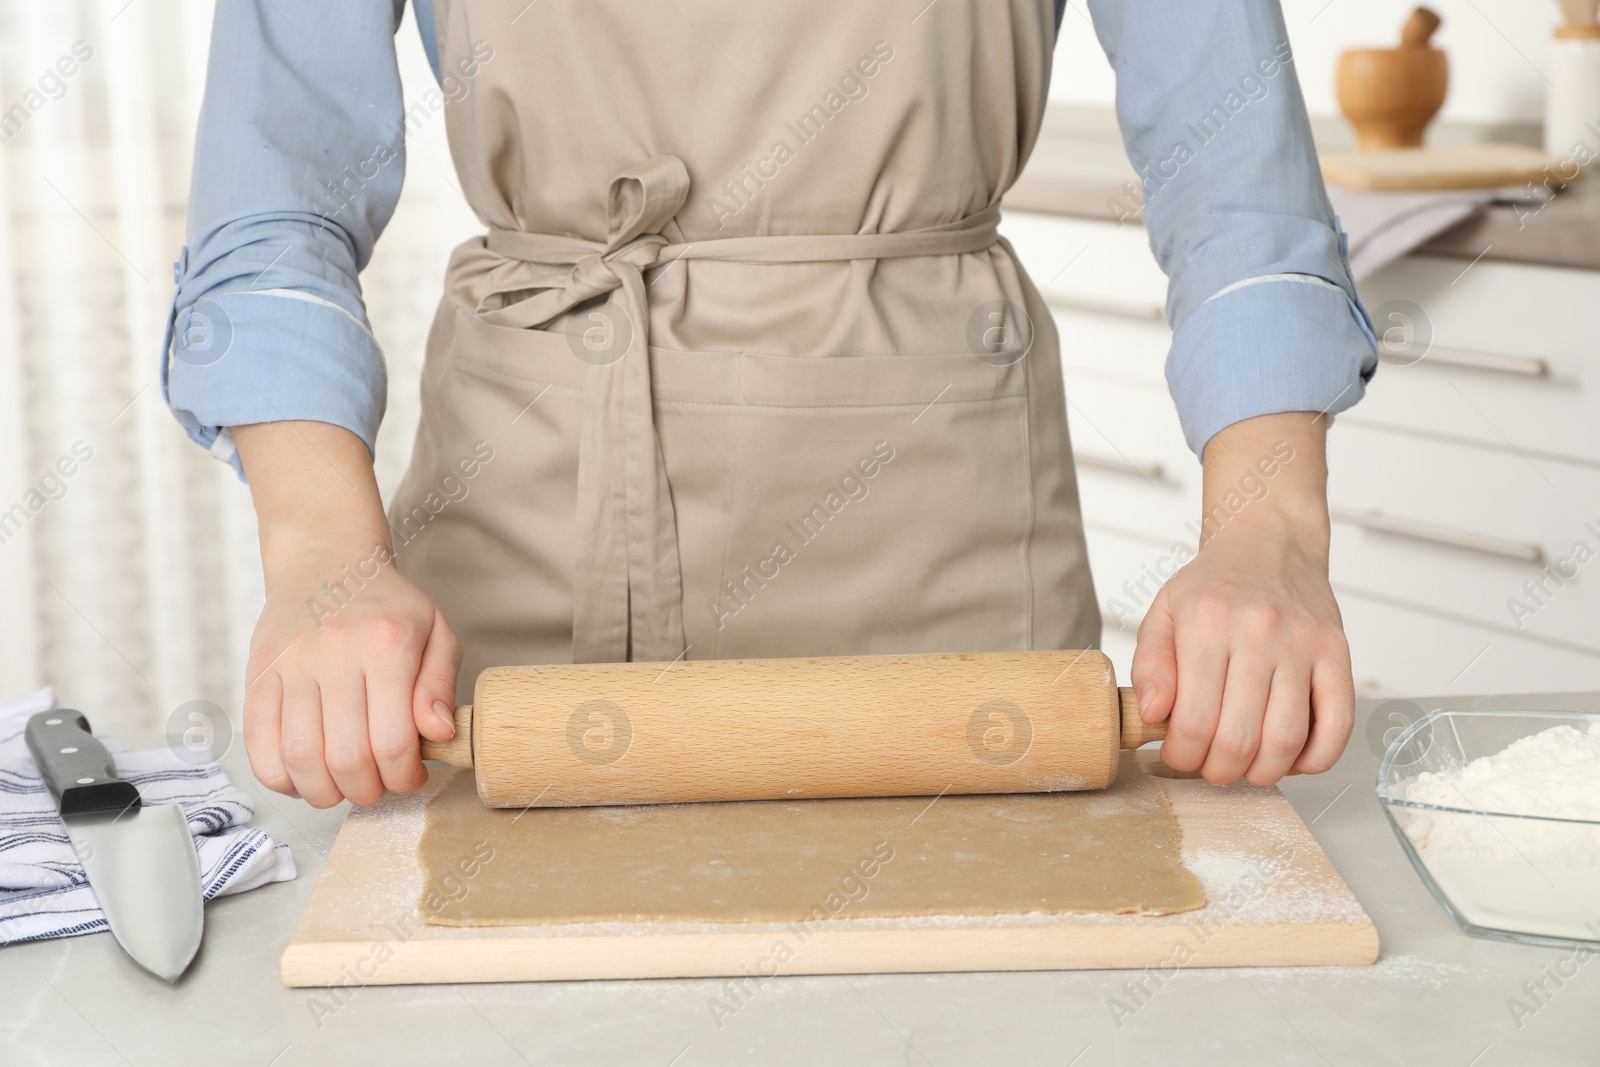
1436	996
1080	168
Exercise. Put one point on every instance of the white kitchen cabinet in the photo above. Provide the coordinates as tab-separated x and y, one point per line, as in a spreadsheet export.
1104	345
1467	479
1500	353
1486	535
1129	568
1131	429
1098	265
1400	650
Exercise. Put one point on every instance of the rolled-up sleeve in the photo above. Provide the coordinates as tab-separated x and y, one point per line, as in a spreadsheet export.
1264	314
299	159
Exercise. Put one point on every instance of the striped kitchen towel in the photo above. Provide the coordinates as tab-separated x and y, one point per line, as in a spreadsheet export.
43	890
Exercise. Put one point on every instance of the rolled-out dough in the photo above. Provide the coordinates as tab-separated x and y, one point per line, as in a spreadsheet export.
1115	851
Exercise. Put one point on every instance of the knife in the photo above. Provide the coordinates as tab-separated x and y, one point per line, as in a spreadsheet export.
141	861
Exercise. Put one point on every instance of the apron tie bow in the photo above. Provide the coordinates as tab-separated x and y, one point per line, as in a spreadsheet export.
640	203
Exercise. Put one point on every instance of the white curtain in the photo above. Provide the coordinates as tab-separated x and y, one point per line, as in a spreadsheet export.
128	570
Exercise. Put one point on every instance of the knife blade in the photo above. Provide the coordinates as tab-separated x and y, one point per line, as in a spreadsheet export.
140	860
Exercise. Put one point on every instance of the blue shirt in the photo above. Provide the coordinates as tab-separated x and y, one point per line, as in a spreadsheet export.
300	153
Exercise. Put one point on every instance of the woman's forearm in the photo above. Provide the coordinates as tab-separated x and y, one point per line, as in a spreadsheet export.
1269	470
314	488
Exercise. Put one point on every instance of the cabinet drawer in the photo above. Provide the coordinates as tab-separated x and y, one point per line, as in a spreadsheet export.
1128	425
1399	651
1089	263
1128	571
1109	346
1134	470
1513	360
1484	534
1162	514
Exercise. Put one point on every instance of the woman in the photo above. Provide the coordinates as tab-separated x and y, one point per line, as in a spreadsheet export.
740	367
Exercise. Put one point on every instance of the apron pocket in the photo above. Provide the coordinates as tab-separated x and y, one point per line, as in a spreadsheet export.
878	505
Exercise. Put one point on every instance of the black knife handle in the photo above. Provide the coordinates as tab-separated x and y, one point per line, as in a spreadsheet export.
76	767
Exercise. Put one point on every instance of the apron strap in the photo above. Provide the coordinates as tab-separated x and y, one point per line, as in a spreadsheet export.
628	588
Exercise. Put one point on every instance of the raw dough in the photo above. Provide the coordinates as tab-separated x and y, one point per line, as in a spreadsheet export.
1114	851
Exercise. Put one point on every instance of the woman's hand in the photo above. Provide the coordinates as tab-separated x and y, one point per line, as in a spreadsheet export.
349	661
1243	649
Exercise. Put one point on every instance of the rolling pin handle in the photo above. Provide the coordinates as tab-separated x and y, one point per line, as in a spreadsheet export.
458	750
1135	731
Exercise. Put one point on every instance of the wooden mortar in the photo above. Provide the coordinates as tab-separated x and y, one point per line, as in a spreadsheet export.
1391	94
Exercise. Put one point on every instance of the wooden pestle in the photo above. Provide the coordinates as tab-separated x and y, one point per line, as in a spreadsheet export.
768	729
1419	28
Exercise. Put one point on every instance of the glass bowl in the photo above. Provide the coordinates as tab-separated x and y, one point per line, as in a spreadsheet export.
1500	874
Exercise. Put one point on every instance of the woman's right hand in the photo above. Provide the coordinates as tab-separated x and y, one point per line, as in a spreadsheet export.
342	678
349	662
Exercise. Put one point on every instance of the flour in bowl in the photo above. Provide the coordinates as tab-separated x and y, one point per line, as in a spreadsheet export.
1506	873
1555	773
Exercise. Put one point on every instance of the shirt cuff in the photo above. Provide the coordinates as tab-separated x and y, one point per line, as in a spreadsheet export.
1288	342
268	356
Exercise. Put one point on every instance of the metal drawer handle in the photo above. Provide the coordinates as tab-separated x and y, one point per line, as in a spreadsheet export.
1104	305
1497	362
1378	522
1150	472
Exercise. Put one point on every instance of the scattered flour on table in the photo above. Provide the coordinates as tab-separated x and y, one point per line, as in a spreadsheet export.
1554	773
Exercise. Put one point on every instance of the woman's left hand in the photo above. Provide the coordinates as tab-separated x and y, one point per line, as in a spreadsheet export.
1243	649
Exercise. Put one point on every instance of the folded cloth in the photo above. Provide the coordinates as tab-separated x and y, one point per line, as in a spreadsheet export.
1382	227
43	889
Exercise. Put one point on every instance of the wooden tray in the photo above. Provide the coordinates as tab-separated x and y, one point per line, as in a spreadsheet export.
1477	166
1274	899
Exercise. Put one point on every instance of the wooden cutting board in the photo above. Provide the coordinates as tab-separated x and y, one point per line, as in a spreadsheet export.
1478	166
1274	899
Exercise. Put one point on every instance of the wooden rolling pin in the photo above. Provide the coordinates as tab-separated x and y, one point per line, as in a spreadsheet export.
767	729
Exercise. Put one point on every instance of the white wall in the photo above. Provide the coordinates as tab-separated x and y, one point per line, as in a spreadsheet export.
1497	52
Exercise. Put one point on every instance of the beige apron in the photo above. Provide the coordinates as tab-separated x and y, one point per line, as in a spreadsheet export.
740	367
